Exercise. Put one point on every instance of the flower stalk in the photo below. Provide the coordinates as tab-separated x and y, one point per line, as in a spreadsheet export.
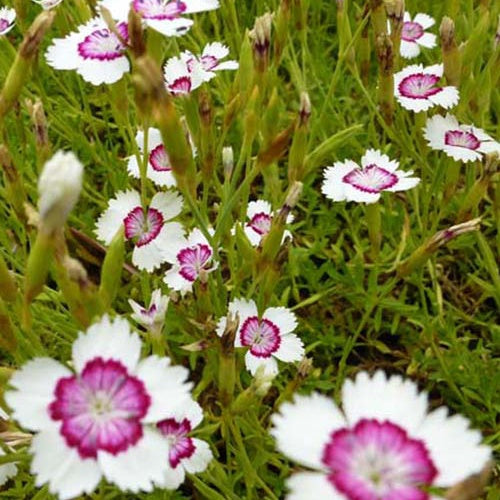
20	70
425	251
374	222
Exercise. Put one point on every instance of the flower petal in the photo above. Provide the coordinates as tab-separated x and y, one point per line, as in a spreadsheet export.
108	340
258	207
454	448
282	317
302	428
253	363
35	383
54	462
112	219
200	459
409	50
166	384
291	349
383	398
309	485
140	466
169	203
333	187
6	470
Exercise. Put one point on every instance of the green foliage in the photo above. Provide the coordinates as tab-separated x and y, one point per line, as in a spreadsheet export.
437	325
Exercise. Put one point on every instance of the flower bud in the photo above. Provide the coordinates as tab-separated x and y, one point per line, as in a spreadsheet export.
451	55
59	187
228	161
425	251
47	4
261	40
152	317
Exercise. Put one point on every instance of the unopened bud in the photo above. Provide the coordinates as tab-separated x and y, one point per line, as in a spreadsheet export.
292	198
385	56
425	251
136	33
261	40
200	345
395	13
263	381
305	108
20	69
228	161
59	187
451	55
47	4
305	367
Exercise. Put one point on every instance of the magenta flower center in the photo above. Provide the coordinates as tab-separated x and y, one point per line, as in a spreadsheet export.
371	179
378	461
100	409
4	24
209	62
261	223
159	9
159	159
461	139
411	31
419	86
181	85
193	260
181	445
103	44
143	229
261	335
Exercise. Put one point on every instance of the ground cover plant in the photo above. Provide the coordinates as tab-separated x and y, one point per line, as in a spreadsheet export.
249	249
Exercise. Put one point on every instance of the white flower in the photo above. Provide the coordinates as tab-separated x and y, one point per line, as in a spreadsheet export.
461	142
164	16
383	444
181	78
210	60
100	419
416	88
191	260
186	453
150	232
59	187
414	36
268	337
154	315
260	217
159	168
94	51
47	4
7	20
347	181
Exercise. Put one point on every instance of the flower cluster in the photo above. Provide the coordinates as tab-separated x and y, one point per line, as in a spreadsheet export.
108	415
383	444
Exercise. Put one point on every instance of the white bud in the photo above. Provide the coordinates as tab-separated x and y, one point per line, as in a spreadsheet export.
59	187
